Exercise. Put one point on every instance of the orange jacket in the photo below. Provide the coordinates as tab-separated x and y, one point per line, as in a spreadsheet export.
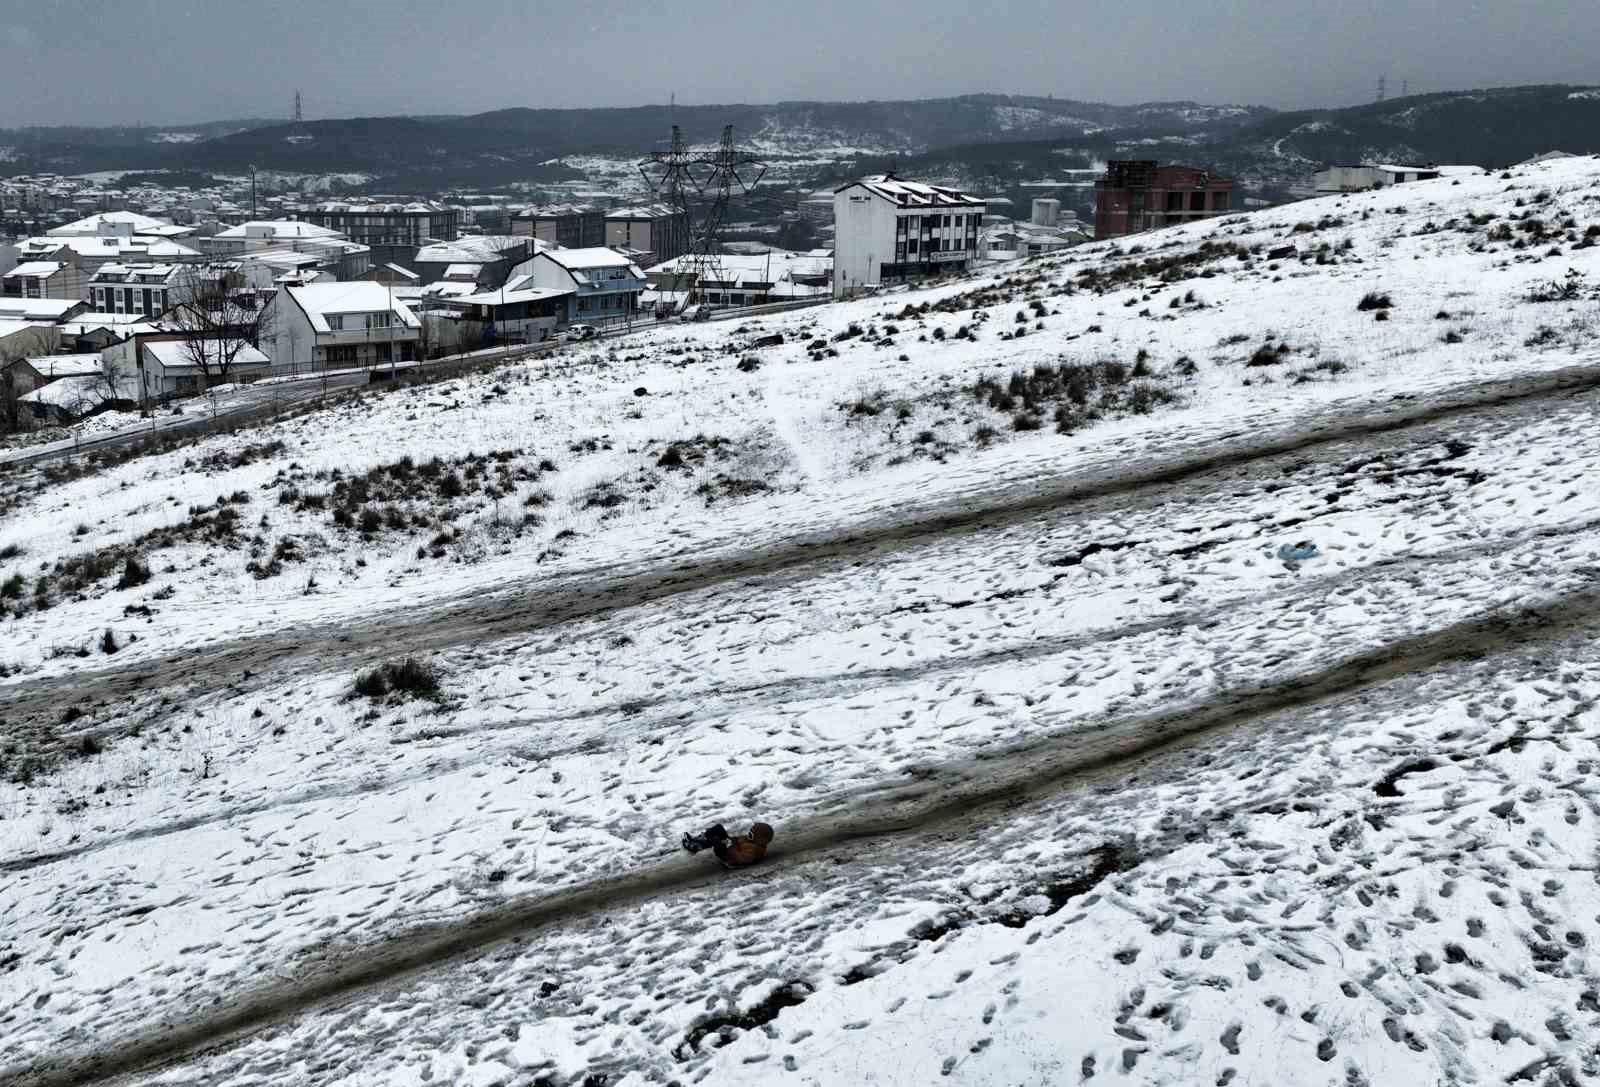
745	849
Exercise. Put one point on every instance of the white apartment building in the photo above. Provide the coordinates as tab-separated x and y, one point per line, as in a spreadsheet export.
889	231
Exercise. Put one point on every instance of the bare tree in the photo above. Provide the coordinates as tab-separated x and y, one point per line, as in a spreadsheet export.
219	318
10	397
108	385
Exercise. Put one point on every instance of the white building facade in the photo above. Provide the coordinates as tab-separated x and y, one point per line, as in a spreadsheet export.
889	231
340	324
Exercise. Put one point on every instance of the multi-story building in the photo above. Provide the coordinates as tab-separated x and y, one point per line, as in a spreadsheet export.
1138	195
145	289
92	251
44	279
656	231
401	225
889	231
571	226
259	234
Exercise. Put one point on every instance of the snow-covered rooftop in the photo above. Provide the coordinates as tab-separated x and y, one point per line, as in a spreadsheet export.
472	249
914	193
111	246
175	354
319	300
48	309
54	366
120	220
276	229
34	268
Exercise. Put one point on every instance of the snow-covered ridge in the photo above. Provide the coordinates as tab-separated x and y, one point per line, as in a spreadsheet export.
1377	886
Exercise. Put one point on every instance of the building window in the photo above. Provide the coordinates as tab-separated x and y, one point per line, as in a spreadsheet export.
911	246
377	320
1197	201
336	322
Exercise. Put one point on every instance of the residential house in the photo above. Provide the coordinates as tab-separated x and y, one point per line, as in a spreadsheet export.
259	234
657	231
606	284
120	224
750	279
518	312
161	365
888	230
91	252
72	387
340	324
41	310
18	378
485	259
27	339
44	279
55	367
96	331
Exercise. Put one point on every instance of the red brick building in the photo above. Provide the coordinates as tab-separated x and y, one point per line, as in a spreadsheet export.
1140	195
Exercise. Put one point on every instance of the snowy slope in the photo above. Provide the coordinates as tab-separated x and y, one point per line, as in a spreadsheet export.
1012	858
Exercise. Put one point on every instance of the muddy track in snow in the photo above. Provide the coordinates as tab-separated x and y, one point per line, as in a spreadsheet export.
33	709
647	716
951	799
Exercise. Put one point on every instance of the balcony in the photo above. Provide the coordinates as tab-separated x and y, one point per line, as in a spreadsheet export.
399	334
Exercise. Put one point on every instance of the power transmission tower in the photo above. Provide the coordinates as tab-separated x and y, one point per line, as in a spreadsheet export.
682	177
1405	88
297	132
1383	88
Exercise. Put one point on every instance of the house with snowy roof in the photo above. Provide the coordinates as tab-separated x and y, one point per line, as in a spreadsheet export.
340	324
888	230
120	224
44	279
605	284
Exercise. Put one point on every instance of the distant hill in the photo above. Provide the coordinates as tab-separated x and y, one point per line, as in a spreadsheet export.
994	142
511	144
1274	155
1486	127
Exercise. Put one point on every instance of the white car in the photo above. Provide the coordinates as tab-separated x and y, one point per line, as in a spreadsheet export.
581	332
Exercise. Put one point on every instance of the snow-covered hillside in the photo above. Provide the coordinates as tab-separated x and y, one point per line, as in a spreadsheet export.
976	593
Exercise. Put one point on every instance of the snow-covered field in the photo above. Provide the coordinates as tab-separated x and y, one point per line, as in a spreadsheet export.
1074	776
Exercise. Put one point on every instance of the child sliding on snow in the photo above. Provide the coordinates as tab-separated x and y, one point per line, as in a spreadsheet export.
733	852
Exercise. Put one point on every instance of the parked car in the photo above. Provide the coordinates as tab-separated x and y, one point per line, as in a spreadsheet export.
697	312
581	332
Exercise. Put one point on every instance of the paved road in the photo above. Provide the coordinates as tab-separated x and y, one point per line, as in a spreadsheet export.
263	400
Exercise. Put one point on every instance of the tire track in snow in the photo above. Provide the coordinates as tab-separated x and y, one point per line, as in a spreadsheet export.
40	704
954	798
666	711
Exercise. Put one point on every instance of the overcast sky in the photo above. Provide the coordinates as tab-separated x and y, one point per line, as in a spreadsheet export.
173	61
